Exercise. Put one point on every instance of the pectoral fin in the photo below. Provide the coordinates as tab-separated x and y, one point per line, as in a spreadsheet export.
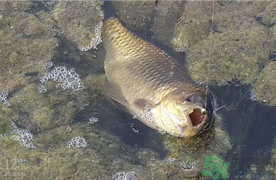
113	92
141	104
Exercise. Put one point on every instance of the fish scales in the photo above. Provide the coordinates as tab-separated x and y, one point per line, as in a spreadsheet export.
140	74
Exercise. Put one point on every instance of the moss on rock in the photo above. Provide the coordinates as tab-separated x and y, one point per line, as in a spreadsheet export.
192	152
272	42
26	45
230	57
268	17
265	86
165	18
80	22
200	17
128	13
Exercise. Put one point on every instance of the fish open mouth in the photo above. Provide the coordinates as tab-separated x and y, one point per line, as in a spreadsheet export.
197	117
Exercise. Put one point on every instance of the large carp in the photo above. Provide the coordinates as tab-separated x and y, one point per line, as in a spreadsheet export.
152	86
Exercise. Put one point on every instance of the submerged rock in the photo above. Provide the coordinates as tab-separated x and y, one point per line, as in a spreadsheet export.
264	88
234	49
272	42
81	22
137	15
39	112
26	45
165	18
193	151
268	17
193	24
200	17
231	56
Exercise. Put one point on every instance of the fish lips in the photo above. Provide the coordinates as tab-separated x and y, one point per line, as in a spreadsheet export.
195	122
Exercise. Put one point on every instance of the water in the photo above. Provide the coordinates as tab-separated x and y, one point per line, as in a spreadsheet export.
117	143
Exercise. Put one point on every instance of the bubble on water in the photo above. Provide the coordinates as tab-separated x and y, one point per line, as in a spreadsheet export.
49	65
93	120
4	98
253	95
95	41
66	78
78	142
125	176
24	137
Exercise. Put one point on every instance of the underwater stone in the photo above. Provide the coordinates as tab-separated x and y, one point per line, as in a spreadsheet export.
166	15
137	15
198	19
265	86
231	57
26	44
272	42
81	22
268	17
39	112
193	24
192	152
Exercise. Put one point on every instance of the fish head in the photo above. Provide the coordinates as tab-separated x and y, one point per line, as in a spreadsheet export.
187	114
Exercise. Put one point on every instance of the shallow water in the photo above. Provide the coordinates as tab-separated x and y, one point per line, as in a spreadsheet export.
118	142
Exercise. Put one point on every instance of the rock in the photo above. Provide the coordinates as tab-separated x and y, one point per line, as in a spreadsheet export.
80	22
268	17
235	48
26	45
195	22
264	88
39	112
231	57
272	42
128	11
165	18
192	153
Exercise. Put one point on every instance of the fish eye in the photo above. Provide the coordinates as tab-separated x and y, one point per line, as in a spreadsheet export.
195	99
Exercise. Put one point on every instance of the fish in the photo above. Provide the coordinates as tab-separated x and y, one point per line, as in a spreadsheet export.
149	84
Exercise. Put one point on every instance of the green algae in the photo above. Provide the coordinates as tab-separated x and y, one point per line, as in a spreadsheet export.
27	45
231	57
127	12
81	28
268	17
165	19
192	151
272	41
265	86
